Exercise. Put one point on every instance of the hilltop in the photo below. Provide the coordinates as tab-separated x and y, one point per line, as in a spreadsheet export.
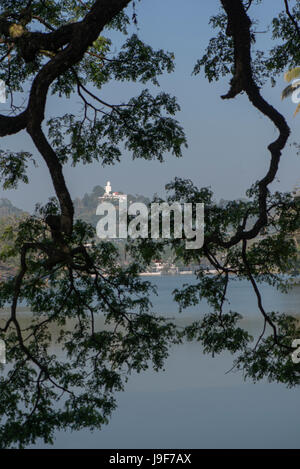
9	216
85	208
8	209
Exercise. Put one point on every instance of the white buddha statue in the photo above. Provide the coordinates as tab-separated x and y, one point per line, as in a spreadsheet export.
107	188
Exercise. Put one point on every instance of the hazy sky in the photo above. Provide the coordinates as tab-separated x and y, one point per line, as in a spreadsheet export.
227	139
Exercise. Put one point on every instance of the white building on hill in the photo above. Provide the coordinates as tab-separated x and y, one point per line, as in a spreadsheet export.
296	191
109	195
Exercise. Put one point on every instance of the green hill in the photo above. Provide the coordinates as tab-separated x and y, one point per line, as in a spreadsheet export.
8	209
85	208
10	216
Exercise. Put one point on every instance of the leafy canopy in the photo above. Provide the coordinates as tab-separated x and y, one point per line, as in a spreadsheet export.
79	294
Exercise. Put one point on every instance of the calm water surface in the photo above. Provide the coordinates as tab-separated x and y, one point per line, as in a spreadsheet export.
194	403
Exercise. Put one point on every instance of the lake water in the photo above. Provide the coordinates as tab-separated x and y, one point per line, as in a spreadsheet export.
194	403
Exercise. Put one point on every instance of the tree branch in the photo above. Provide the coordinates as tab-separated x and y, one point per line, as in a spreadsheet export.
239	26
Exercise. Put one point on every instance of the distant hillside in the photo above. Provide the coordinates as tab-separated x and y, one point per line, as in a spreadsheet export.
10	216
85	208
8	209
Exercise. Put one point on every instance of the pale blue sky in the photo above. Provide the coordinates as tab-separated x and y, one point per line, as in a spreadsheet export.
227	140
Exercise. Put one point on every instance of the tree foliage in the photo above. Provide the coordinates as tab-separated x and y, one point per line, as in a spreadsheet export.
64	48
